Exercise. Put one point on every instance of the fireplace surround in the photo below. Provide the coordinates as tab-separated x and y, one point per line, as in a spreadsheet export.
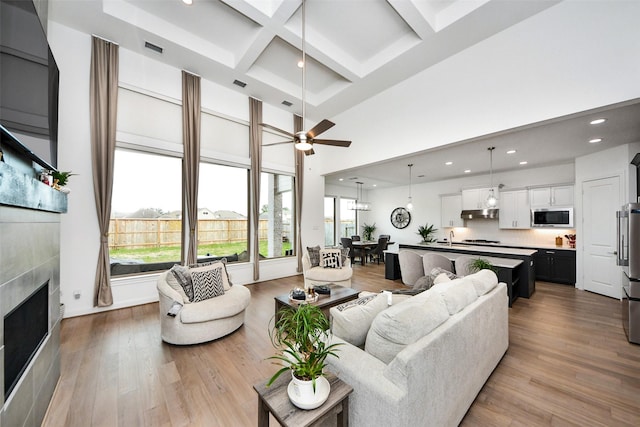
29	258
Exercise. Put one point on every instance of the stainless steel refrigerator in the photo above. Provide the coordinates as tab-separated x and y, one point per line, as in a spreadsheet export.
629	258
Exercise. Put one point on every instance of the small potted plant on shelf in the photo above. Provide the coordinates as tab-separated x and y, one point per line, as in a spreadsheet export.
60	179
426	232
368	230
301	338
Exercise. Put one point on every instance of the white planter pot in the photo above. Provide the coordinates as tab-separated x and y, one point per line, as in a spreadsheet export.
302	395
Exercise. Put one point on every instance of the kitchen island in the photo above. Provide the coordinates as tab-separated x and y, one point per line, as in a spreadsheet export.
521	276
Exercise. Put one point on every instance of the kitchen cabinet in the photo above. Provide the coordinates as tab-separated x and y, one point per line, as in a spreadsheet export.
561	195
514	210
476	198
451	206
555	265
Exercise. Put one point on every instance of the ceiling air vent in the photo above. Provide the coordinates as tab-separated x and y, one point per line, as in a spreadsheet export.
153	47
287	103
239	83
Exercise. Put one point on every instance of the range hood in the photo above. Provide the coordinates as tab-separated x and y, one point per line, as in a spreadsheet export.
480	214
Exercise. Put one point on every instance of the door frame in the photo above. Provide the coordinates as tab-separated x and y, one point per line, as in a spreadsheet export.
623	176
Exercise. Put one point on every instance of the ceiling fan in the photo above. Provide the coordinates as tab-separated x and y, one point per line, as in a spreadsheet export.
304	141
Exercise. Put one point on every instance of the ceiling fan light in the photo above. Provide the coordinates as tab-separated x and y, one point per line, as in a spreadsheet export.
303	146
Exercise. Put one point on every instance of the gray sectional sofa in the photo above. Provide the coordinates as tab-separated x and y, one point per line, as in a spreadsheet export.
424	359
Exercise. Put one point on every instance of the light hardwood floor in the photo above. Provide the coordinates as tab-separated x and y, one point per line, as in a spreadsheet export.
568	363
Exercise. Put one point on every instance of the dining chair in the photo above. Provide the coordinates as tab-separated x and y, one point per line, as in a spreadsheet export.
348	243
377	253
355	238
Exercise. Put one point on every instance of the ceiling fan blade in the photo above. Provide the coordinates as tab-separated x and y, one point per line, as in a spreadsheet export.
309	152
336	142
278	143
284	132
323	126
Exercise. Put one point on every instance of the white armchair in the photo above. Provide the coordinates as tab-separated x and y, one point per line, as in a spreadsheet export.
323	276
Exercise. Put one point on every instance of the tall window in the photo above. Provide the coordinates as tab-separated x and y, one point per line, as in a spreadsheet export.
347	218
145	210
223	228
276	215
329	221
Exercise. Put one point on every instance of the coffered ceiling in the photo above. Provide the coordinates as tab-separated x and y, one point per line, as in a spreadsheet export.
356	49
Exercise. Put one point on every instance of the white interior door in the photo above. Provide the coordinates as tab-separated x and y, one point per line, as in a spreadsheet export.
600	201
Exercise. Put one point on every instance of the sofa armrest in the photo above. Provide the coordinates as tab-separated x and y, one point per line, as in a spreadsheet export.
371	389
167	291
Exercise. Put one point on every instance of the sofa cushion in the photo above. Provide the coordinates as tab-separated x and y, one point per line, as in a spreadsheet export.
328	274
483	281
314	256
331	258
457	294
400	325
207	283
182	275
351	321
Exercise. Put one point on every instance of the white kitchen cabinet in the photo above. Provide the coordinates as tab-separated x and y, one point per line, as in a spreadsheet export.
451	206
561	195
476	198
515	212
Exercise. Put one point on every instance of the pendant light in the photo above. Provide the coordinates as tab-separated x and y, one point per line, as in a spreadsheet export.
492	200
410	202
303	144
359	204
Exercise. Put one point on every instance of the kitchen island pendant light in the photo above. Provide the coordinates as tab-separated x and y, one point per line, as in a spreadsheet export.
492	200
410	203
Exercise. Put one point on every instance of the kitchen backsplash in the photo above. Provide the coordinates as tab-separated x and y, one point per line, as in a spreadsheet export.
488	229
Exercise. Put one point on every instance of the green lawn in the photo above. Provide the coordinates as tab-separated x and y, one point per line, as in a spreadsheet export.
172	253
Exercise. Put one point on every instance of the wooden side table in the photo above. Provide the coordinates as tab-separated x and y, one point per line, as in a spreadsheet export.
274	399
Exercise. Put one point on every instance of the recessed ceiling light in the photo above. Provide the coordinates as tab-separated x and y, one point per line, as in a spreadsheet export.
511	152
300	63
189	2
597	121
374	185
341	179
523	162
467	170
595	140
448	163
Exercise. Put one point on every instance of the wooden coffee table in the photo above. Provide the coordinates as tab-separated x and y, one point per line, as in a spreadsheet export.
339	294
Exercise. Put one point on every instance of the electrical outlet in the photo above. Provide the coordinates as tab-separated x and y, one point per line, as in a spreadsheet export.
76	294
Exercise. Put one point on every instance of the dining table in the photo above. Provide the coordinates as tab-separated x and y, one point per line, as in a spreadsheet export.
363	246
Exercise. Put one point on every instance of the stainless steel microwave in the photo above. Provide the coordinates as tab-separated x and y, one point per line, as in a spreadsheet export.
552	217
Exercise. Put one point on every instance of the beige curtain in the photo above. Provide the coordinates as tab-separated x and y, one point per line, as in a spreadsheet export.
297	127
255	142
103	98
190	165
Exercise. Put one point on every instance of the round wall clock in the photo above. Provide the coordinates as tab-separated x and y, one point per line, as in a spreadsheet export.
400	218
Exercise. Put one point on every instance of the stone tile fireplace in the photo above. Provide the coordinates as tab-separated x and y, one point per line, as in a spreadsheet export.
29	267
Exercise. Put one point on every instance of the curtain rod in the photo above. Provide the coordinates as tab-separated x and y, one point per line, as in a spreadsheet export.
107	40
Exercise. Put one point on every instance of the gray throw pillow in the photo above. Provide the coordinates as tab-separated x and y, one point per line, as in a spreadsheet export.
314	256
437	270
344	255
183	276
423	283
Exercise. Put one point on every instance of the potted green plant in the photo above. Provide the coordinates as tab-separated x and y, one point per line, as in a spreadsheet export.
482	264
426	232
368	230
62	177
300	336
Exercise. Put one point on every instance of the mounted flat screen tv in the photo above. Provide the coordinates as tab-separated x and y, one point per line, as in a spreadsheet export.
29	81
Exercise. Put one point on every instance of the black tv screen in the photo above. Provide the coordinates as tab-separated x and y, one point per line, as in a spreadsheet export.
29	81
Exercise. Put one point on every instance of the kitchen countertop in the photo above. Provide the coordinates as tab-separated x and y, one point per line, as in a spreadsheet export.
489	249
564	247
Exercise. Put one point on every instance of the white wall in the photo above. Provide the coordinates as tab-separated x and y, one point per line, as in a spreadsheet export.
572	57
79	228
